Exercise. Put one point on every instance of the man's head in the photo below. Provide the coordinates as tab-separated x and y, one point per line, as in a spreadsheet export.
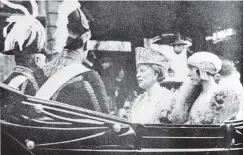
180	45
79	31
105	62
31	61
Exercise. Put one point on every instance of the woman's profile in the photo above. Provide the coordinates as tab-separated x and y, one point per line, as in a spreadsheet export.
149	106
205	100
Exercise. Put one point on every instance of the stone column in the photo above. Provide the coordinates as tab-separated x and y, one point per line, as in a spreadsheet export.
51	18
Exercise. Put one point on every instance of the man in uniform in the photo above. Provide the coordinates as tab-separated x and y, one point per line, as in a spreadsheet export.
24	38
69	81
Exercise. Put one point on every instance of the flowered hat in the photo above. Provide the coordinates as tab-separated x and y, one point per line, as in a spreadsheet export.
150	56
206	62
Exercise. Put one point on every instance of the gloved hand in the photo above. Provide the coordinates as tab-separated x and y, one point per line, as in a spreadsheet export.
163	118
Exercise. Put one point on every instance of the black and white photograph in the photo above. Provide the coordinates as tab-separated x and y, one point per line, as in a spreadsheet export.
121	77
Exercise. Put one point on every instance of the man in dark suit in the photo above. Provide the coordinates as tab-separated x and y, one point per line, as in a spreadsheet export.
69	81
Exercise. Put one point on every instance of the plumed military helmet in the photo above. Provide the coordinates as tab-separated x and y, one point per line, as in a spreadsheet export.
23	31
72	27
78	28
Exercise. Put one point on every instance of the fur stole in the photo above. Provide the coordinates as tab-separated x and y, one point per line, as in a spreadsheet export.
226	102
183	102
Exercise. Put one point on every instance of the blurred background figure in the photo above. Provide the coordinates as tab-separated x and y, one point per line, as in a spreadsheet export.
105	70
178	66
176	48
122	87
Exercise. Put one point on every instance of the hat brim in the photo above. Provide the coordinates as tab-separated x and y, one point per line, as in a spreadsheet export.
175	44
9	52
17	52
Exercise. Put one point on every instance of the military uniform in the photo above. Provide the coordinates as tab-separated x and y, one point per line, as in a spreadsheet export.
20	40
23	42
23	79
68	80
79	91
85	89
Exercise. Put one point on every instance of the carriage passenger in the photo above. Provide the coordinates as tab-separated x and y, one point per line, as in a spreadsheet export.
24	38
202	100
69	81
151	68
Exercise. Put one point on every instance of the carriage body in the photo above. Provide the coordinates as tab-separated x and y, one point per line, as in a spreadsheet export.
35	126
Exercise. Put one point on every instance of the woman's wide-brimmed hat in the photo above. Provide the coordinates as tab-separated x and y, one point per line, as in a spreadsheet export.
206	62
150	56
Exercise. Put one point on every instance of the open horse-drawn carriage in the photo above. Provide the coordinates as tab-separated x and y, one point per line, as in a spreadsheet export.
33	126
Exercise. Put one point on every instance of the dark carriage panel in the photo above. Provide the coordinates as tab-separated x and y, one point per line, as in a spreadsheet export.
47	127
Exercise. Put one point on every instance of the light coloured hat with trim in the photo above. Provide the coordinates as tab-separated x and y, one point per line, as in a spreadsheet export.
150	56
206	62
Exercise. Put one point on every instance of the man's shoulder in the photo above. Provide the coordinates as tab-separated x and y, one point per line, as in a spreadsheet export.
14	75
76	81
10	77
40	77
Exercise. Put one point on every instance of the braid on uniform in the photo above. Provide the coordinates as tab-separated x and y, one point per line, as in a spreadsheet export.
76	79
92	96
23	87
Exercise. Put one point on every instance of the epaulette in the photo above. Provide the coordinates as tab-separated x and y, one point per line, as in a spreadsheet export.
28	73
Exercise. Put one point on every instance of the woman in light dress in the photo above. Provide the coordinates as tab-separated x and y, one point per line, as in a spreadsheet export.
202	99
156	100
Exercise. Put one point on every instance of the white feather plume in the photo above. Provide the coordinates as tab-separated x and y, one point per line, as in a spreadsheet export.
61	34
34	8
24	27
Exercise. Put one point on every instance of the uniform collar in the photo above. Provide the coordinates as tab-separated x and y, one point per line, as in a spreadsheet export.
22	69
73	55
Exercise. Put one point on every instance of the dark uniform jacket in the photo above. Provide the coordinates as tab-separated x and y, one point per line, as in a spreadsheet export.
29	86
85	90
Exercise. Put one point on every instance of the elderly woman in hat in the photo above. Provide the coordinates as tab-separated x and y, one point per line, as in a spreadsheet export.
202	100
151	68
